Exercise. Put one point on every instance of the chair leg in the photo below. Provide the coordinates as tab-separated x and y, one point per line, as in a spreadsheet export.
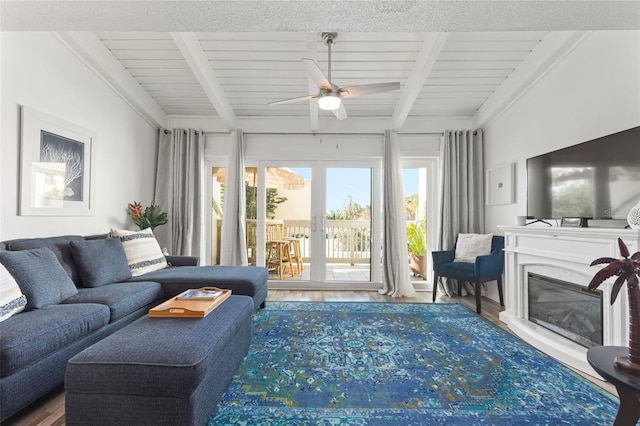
459	287
500	291
477	287
435	286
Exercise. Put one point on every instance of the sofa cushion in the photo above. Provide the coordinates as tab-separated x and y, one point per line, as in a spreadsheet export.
142	250
50	329
12	300
462	269
101	262
58	245
121	298
241	277
39	275
243	280
470	246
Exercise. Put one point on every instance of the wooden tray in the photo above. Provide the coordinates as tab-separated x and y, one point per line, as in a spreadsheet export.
188	308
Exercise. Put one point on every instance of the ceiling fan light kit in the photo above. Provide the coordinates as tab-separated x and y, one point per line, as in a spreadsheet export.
329	102
330	95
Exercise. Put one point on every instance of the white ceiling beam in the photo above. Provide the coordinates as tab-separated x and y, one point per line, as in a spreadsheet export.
90	50
312	53
550	51
427	56
189	46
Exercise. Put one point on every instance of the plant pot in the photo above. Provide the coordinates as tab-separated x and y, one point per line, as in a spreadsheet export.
631	363
417	263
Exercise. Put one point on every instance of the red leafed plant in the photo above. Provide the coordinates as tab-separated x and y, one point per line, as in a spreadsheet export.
149	217
627	270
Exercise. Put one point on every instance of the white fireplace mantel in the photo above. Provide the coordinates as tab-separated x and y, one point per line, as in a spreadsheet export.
563	253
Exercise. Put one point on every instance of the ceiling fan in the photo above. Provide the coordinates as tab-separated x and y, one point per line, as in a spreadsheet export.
330	95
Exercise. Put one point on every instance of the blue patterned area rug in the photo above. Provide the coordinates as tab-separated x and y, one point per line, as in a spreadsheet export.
400	364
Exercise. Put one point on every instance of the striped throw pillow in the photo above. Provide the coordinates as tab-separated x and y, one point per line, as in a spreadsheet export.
142	250
12	300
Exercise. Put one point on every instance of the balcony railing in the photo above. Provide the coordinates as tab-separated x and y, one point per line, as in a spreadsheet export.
347	241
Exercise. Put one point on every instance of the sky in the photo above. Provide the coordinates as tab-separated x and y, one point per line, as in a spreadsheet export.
343	183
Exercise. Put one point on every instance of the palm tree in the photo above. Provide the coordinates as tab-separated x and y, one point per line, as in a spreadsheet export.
627	270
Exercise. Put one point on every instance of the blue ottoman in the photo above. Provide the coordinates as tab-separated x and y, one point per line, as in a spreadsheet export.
159	371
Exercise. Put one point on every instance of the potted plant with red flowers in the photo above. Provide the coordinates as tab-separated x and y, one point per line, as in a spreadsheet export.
149	217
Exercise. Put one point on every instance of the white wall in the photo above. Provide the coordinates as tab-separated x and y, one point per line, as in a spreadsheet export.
592	92
40	72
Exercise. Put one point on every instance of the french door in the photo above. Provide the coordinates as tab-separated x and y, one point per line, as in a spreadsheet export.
333	217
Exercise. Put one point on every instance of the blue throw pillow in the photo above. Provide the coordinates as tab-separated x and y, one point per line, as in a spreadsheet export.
39	275
101	262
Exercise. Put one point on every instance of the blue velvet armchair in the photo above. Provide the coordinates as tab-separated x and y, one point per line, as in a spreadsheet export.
485	268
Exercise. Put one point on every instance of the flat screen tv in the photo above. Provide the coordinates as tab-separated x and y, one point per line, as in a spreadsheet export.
598	179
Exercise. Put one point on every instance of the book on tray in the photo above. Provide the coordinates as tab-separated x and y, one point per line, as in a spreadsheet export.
200	294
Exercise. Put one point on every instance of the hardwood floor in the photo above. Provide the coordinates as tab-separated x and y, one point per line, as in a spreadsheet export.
49	411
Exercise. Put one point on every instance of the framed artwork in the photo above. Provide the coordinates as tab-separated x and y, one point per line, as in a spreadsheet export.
500	185
56	166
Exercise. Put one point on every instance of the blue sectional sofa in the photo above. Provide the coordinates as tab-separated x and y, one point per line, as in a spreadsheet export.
36	344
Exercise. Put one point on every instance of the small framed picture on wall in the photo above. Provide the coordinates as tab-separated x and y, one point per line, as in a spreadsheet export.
500	184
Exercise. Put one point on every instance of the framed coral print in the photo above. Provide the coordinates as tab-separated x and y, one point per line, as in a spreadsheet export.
56	166
500	185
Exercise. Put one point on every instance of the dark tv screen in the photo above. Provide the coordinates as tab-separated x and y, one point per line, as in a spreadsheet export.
598	179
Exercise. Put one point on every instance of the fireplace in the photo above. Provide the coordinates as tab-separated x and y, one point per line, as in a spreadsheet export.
564	254
567	309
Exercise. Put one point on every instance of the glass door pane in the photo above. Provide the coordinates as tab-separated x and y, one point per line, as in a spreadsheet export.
287	222
218	176
415	204
347	224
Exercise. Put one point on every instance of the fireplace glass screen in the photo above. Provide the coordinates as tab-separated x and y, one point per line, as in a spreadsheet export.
567	309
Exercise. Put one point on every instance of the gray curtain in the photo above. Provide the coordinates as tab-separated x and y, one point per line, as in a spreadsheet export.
233	250
180	190
396	282
462	187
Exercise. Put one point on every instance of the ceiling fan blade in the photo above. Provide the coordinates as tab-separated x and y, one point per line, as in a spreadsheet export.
317	75
291	100
368	89
340	112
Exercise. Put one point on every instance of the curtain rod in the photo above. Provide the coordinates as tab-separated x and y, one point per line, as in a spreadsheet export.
337	134
167	131
475	132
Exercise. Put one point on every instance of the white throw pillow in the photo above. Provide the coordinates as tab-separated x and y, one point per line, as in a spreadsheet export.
142	250
12	300
470	246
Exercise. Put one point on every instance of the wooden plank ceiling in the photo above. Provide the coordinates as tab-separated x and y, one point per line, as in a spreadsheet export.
253	69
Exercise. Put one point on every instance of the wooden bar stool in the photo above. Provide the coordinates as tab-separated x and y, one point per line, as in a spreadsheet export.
279	257
295	255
